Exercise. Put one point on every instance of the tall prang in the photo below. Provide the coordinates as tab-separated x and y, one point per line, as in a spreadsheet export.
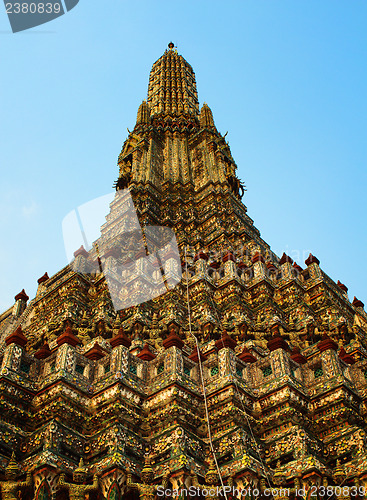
277	392
178	165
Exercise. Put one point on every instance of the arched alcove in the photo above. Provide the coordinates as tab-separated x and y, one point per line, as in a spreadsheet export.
114	492
43	492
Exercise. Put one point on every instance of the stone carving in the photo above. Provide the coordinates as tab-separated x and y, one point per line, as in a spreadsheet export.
78	489
146	490
10	488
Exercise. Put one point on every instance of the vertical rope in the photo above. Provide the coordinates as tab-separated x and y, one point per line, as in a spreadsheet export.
202	379
239	396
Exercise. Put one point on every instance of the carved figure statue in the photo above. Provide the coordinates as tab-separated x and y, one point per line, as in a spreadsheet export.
11	487
283	492
137	330
237	186
241	332
101	329
84	330
207	330
146	490
339	477
77	490
211	481
125	176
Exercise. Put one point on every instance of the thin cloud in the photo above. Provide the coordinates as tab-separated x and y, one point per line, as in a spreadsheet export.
30	211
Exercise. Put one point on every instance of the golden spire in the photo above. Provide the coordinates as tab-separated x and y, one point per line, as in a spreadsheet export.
12	465
143	113
81	468
147	465
212	470
206	116
172	86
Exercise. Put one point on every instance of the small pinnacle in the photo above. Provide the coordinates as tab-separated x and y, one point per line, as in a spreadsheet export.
171	45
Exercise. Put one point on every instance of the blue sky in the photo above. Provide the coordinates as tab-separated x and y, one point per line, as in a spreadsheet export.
286	79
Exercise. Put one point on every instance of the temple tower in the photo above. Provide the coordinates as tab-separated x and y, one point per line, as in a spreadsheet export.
177	164
251	371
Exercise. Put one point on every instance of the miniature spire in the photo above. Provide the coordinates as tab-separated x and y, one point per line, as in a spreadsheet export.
22	296
143	114
246	356
212	473
120	339
17	337
173	340
327	343
194	356
311	259
357	303
95	353
67	337
81	467
146	354
285	258
43	279
342	286
20	303
225	341
44	352
12	465
81	251
147	465
206	116
347	358
297	356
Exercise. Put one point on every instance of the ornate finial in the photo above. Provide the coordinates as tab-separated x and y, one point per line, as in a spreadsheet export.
81	468
147	465
147	469
171	45
12	465
211	475
339	473
212	468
